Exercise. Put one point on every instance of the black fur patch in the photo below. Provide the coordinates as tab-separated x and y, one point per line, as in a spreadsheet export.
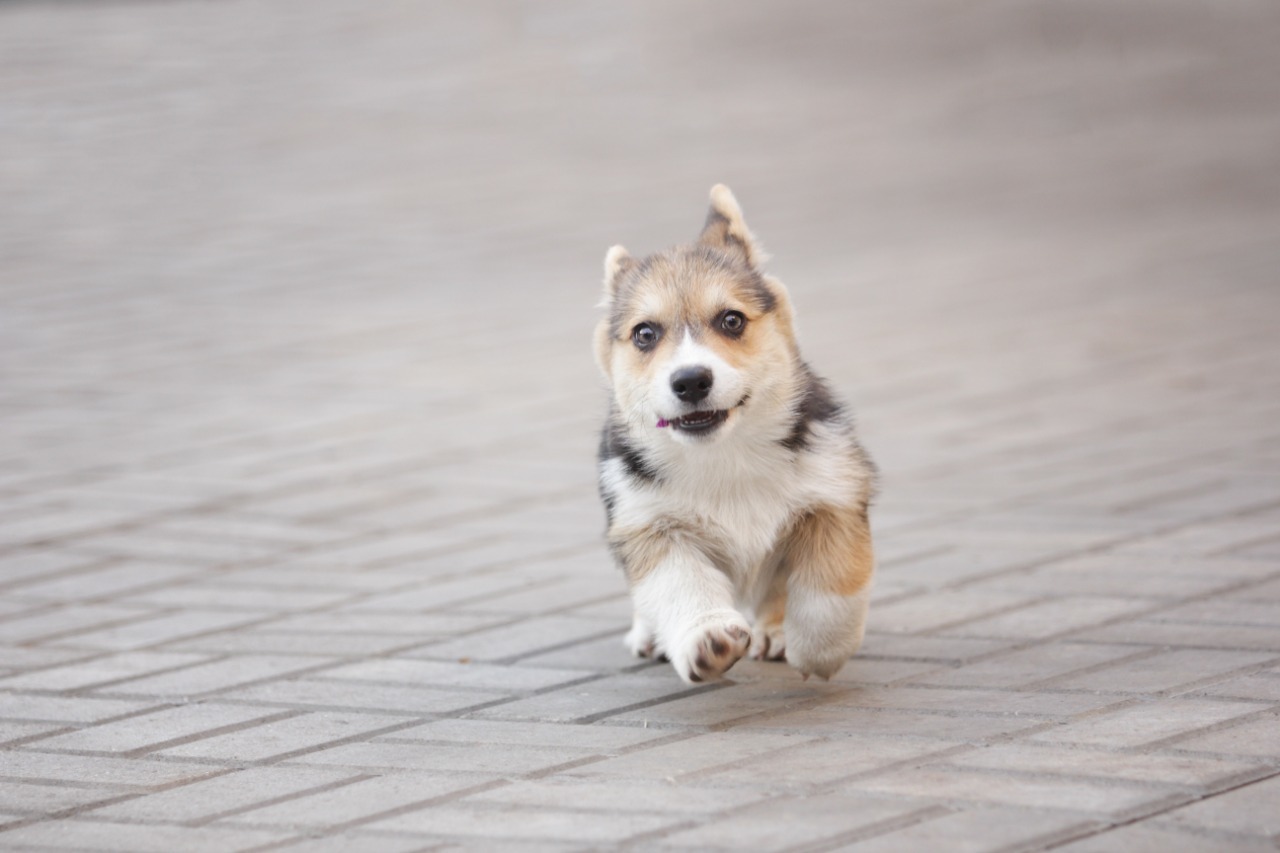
816	404
609	503
614	445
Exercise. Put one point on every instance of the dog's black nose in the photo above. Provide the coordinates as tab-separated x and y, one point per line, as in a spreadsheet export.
691	384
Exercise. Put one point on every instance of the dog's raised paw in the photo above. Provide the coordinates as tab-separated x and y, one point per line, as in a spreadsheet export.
710	651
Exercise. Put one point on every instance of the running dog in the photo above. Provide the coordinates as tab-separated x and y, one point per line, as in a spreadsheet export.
735	490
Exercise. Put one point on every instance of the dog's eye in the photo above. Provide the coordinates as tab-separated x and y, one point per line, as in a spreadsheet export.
732	323
644	336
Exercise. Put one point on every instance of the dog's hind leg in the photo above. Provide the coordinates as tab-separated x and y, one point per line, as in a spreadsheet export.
768	637
831	563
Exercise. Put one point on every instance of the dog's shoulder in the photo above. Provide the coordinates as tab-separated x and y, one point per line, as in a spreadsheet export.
823	439
815	404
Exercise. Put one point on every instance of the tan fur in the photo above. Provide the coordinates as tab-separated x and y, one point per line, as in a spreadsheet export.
830	550
639	550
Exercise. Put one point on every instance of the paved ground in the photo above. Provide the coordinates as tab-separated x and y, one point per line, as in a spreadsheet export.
299	546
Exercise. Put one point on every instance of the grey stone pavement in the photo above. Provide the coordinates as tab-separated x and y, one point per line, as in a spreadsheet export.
299	542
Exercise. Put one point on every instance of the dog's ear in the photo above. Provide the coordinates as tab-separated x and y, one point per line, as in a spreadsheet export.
727	230
616	262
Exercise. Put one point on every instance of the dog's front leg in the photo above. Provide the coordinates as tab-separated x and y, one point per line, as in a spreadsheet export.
686	605
828	591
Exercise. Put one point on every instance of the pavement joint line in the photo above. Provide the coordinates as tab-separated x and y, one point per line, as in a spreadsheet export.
425	645
1190	687
494	567
1087	376
1221	725
215	693
62	814
457	713
142	589
142	751
211	506
1154	608
151	709
1021	499
1199	790
133	619
1225	623
620	595
283	798
1170	495
315	707
568	644
1241	546
918	679
871	830
207	733
59	574
648	703
257	622
913	557
703	820
1155	811
1208	646
94	689
1223	836
37	609
479	690
1136	656
983	577
942	753
141	790
439	799
1089	551
265	620
17	742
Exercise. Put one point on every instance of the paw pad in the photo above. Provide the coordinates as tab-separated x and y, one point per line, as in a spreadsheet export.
710	653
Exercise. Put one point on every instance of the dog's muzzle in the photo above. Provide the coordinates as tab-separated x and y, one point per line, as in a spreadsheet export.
705	421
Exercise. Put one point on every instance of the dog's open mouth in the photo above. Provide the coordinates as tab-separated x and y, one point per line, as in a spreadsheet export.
699	421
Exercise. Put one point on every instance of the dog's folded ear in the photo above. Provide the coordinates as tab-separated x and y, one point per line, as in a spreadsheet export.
727	231
616	262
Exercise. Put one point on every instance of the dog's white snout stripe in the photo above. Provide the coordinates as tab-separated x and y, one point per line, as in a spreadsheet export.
690	357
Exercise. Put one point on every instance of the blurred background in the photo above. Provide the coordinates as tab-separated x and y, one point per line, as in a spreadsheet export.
312	283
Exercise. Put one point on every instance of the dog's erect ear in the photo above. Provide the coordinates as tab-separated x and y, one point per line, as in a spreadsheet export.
727	230
616	263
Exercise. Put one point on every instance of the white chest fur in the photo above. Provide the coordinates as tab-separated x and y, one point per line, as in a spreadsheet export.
740	495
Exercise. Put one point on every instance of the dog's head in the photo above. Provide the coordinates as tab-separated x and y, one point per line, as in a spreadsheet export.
697	338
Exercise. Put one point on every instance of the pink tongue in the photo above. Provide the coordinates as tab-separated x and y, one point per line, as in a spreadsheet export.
662	422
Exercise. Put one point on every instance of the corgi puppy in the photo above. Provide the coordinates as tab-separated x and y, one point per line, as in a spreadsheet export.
735	491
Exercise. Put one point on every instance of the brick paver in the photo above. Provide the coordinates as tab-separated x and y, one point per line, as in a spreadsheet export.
299	541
